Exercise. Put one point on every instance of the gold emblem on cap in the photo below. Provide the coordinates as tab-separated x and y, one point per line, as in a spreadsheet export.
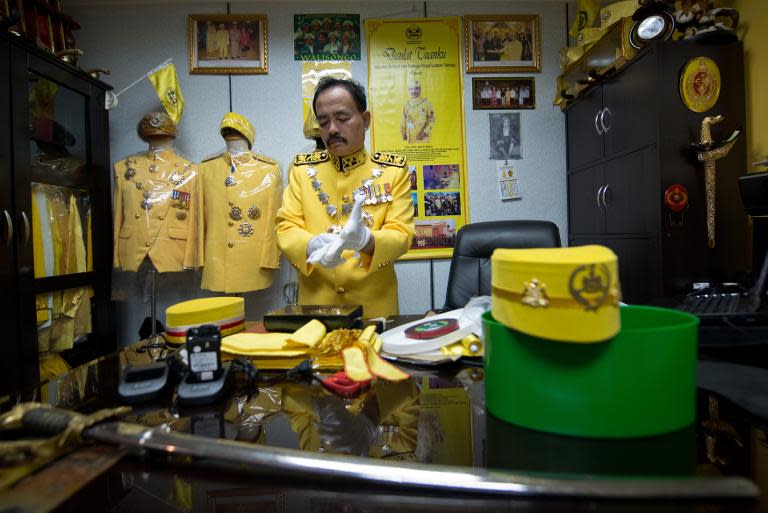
535	294
589	285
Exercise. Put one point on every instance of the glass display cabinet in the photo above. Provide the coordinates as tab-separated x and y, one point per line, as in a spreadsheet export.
55	214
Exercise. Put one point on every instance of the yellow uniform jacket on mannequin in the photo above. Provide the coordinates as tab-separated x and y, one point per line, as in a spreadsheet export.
370	279
157	208
240	204
418	119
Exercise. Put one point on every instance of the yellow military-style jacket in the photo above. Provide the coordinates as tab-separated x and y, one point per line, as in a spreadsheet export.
241	252
369	280
418	120
156	212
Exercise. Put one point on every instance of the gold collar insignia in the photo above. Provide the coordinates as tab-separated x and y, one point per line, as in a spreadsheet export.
350	162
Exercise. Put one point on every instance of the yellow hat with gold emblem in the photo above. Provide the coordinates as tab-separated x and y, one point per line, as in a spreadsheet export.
156	124
311	128
240	124
413	81
612	13
563	294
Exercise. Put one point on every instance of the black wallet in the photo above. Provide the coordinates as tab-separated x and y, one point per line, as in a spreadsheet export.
293	317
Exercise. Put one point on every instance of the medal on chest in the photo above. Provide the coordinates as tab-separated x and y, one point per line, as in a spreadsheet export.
372	191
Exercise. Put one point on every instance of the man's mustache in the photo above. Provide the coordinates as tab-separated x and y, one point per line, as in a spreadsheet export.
336	138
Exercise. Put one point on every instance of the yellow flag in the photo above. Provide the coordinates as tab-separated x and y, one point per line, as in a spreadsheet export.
585	16
167	86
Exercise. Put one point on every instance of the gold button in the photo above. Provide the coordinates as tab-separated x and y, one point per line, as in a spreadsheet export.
147	244
231	223
231	244
340	290
136	216
162	217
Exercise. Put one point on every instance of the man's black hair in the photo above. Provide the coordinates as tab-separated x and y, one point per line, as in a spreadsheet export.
354	88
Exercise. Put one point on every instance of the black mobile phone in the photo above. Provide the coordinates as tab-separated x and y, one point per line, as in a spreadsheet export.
204	352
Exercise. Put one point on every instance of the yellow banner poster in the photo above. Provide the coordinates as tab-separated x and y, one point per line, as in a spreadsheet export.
416	95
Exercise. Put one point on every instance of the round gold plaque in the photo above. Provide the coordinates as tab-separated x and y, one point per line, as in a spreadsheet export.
700	84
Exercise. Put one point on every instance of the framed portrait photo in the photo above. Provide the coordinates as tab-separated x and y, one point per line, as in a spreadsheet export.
228	43
503	43
504	136
508	93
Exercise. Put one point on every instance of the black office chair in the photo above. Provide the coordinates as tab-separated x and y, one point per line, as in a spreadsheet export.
470	273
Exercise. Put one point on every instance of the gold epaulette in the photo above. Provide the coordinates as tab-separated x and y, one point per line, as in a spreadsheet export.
389	159
264	158
310	158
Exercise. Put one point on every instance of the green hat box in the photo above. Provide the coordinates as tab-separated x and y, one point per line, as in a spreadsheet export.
640	383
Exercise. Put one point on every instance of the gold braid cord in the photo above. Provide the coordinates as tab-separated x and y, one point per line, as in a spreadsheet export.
334	342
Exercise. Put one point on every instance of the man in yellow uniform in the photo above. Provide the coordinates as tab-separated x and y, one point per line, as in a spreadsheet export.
346	214
156	210
418	115
241	192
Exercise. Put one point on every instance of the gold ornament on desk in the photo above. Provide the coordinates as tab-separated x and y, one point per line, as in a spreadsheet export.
708	151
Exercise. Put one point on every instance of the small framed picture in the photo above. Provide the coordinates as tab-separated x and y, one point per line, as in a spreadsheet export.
228	43
505	136
509	93
508	43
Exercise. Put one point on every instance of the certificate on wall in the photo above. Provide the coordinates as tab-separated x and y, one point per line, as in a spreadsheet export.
416	94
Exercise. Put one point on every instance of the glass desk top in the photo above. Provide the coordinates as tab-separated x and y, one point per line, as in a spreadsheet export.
437	417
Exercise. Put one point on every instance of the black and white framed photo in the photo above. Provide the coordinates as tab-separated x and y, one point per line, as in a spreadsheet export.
504	136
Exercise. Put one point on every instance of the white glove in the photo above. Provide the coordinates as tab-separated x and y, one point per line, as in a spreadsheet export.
355	234
328	254
318	241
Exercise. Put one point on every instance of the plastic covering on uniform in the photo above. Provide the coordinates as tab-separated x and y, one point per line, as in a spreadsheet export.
157	202
60	246
241	196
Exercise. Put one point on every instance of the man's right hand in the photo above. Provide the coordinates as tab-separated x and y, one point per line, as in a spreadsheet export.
318	241
325	249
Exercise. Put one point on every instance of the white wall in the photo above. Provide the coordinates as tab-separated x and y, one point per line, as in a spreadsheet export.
132	38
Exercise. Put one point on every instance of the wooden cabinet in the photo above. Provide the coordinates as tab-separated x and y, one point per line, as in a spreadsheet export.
628	140
55	214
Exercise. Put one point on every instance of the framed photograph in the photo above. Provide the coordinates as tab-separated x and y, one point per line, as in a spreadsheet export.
505	136
505	43
507	93
228	43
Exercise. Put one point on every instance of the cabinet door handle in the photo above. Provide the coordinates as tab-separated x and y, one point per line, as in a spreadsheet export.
606	187
598	122
606	126
26	228
9	224
599	192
